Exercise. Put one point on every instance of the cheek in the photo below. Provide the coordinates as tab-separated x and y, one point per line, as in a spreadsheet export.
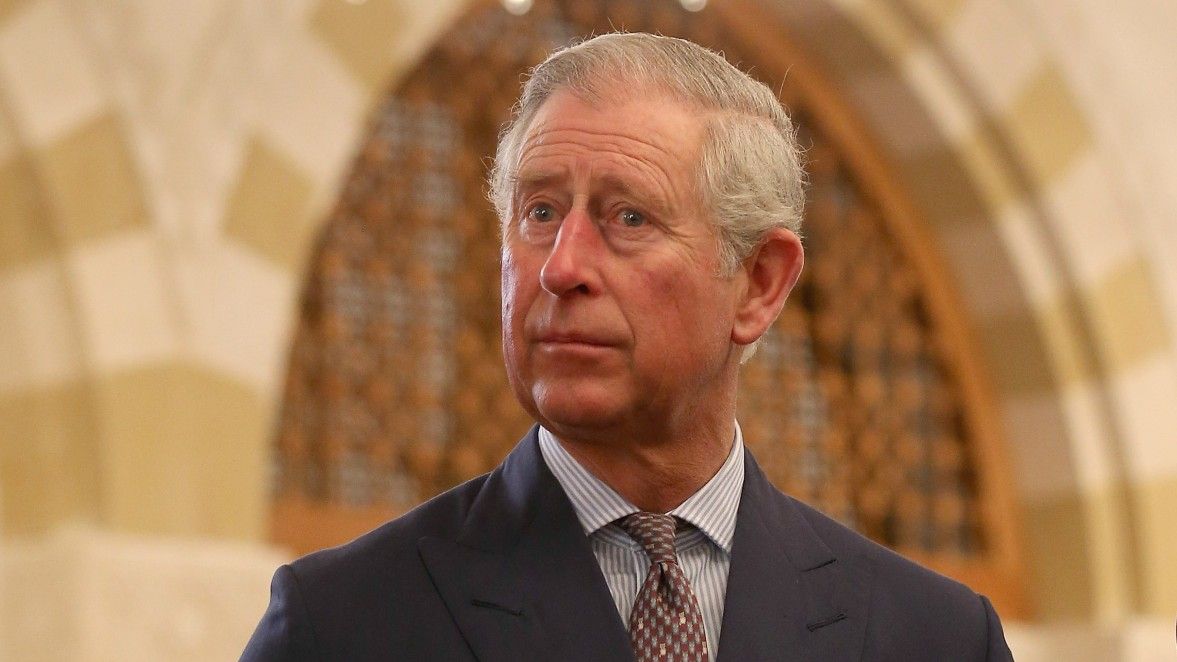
674	290
519	291
511	285
666	308
697	308
512	330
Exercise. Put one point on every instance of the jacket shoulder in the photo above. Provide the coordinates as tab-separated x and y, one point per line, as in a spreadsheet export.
367	597
914	613
885	564
441	516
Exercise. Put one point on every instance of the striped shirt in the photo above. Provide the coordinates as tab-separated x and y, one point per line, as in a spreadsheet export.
704	548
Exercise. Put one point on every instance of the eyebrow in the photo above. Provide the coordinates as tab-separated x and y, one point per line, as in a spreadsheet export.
528	181
537	179
644	195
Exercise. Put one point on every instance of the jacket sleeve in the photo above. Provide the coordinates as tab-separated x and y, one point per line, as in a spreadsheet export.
998	650
285	631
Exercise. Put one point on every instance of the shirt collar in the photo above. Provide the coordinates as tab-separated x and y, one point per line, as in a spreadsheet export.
712	509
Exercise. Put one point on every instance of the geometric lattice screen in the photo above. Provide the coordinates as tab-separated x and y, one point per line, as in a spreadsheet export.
857	401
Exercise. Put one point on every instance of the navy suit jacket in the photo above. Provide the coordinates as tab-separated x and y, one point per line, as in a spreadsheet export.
499	568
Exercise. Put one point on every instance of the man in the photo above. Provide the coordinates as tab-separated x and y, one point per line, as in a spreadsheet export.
650	196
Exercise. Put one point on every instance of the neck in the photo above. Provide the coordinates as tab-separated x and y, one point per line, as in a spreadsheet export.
657	474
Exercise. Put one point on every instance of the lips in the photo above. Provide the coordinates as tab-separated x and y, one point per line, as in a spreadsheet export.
573	338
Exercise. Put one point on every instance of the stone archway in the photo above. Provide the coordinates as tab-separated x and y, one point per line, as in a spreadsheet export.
996	130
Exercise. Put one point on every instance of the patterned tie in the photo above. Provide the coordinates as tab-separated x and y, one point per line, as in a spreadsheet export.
665	624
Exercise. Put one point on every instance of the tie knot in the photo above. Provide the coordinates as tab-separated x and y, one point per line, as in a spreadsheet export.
655	533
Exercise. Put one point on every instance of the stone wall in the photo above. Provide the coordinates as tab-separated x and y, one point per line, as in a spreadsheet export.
163	168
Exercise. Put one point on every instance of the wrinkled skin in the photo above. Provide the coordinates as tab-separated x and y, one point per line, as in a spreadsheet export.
618	328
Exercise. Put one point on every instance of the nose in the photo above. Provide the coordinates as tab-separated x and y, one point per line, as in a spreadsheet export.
571	265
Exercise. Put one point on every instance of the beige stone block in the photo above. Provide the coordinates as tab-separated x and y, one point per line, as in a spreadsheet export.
92	181
9	8
292	102
185	453
379	40
844	50
897	121
49	470
848	6
1047	129
38	619
1148	639
888	28
126	300
1032	255
923	69
1113	547
1020	356
1037	446
1094	231
268	211
87	595
1156	503
988	283
1145	396
10	143
1125	313
48	71
241	309
39	336
995	46
1070	357
27	232
942	187
1073	642
988	171
146	598
362	36
936	15
1134	639
1098	461
1058	557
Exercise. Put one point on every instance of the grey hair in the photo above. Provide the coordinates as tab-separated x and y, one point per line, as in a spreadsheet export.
750	175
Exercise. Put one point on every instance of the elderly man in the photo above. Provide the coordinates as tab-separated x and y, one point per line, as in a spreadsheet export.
650	196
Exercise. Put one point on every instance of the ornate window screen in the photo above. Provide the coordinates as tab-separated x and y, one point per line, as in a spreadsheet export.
863	400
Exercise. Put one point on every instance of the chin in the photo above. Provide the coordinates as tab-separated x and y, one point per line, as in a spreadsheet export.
573	409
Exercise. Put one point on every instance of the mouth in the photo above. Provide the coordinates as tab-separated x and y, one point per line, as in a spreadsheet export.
572	340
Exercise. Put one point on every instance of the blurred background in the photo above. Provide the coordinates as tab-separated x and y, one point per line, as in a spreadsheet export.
249	295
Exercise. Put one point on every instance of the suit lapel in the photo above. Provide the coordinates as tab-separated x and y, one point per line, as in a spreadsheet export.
521	580
788	597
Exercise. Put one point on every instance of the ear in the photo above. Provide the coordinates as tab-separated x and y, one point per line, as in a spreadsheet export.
772	271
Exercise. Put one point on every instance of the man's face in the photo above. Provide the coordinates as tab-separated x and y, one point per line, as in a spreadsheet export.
615	317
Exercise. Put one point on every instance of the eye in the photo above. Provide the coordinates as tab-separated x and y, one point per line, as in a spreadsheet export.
632	219
541	213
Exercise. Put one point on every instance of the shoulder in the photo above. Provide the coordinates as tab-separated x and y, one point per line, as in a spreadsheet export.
885	564
910	608
371	594
380	549
897	575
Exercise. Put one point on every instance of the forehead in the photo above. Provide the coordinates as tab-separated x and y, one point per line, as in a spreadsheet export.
637	130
